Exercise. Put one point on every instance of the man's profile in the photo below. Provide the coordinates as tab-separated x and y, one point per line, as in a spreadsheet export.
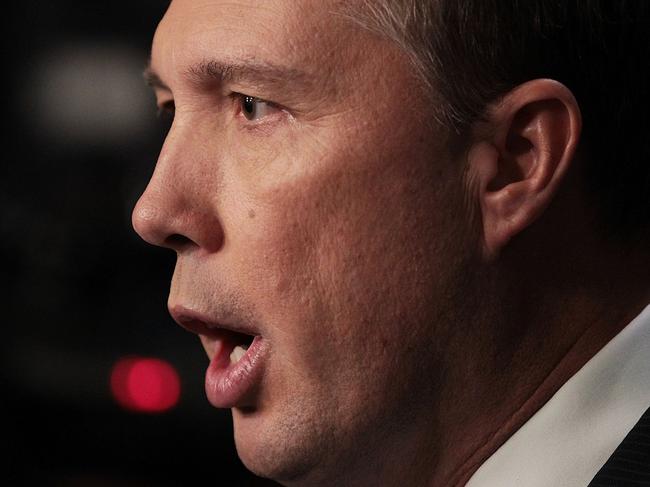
413	236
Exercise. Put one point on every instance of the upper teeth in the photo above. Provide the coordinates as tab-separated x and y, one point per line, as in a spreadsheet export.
238	352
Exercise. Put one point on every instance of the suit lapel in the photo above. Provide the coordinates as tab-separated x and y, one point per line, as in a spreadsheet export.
629	465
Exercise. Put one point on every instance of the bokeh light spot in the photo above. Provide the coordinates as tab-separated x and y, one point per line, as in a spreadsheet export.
143	384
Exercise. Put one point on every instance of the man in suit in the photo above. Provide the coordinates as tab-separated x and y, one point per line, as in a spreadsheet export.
413	236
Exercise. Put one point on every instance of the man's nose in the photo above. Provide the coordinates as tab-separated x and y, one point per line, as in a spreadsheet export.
176	210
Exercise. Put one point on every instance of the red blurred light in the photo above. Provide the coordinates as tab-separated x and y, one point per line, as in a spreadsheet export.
147	385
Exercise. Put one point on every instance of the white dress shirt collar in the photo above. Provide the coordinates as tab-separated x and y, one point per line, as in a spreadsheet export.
571	437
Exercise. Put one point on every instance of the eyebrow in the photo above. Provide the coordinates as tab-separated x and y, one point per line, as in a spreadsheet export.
235	71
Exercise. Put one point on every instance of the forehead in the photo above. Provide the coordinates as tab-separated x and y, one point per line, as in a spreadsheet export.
301	33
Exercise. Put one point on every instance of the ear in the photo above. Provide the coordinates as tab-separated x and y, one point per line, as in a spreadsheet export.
517	169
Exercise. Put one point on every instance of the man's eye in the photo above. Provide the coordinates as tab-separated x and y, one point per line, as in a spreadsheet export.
256	109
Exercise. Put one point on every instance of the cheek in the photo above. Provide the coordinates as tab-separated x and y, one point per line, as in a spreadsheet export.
340	263
277	249
348	242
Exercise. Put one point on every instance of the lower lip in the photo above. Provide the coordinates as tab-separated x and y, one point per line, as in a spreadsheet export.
230	385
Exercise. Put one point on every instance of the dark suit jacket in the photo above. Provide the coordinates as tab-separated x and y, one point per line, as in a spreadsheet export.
629	465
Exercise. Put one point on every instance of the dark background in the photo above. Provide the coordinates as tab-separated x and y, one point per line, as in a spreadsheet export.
79	289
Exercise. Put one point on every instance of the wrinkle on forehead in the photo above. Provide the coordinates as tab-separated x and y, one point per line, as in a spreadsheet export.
305	36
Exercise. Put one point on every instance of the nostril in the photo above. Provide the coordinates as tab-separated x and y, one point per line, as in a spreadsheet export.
163	218
177	241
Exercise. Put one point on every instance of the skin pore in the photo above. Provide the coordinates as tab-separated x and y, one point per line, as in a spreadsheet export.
308	193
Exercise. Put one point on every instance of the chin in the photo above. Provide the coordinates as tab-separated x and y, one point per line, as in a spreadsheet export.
274	449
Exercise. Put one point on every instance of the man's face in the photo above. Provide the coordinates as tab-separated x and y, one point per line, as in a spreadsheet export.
324	219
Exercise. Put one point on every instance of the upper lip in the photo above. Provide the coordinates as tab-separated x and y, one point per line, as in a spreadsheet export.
203	324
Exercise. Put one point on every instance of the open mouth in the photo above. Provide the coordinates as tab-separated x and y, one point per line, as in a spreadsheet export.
218	340
236	367
238	356
239	344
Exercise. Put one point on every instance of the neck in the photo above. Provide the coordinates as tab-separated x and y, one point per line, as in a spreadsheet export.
545	319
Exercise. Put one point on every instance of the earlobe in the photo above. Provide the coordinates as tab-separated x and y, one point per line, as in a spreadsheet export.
517	170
